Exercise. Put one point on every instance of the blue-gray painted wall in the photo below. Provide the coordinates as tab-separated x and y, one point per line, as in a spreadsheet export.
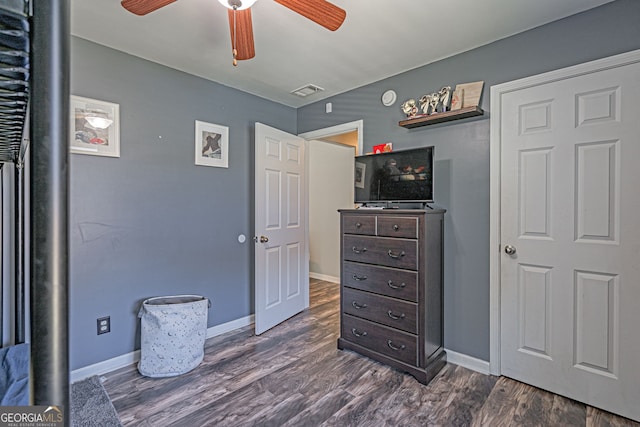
462	148
152	223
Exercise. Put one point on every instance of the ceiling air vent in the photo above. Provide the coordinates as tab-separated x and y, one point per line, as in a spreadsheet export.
307	90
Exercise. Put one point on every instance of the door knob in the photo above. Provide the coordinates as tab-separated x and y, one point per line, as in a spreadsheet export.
509	250
264	239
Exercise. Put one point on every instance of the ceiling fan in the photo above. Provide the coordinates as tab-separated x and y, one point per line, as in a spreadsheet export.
321	12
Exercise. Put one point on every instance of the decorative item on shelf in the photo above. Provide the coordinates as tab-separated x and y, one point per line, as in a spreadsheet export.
426	103
437	102
445	98
471	93
387	147
434	100
456	99
409	108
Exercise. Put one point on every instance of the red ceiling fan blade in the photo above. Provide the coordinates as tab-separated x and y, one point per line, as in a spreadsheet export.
142	7
242	37
321	12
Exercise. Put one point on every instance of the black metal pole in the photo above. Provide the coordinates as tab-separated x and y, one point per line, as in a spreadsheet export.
2	239
19	251
49	204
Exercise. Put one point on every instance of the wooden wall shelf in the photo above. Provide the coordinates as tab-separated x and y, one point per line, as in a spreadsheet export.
447	116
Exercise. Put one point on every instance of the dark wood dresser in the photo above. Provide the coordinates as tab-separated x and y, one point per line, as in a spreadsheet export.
391	288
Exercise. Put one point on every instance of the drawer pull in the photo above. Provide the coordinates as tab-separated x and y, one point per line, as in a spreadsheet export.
395	256
359	278
394	317
357	306
392	286
359	251
357	333
393	347
358	225
396	227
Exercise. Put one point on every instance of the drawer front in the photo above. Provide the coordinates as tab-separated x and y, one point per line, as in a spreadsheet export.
388	311
395	283
388	341
398	226
359	224
387	251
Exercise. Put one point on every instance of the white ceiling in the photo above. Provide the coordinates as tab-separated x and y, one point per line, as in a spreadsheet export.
379	38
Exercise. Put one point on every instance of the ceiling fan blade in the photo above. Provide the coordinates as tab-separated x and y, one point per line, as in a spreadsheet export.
321	12
242	37
142	7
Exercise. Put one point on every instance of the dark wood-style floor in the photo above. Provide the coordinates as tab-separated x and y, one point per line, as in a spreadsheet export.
293	375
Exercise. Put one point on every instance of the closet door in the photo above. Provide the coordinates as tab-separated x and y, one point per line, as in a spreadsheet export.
570	236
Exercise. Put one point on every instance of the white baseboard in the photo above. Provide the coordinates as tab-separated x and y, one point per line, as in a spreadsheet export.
324	277
127	359
468	362
214	331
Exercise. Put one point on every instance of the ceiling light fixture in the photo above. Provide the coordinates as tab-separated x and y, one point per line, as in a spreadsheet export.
237	4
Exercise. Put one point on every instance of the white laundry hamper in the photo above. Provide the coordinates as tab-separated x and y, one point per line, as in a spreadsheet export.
173	330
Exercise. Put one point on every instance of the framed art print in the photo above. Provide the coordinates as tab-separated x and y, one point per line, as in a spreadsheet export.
95	127
212	145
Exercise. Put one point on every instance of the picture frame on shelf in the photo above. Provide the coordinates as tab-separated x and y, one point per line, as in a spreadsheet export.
471	93
94	127
211	145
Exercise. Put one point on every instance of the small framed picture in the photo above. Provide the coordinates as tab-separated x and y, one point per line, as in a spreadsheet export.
95	127
212	145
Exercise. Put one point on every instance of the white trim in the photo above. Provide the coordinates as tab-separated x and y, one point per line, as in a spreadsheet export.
214	331
495	165
127	359
468	362
105	366
324	277
357	125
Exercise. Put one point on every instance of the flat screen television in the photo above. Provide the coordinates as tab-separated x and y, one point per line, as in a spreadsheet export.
395	177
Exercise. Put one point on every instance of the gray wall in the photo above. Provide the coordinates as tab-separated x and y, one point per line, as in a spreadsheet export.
462	148
151	222
330	167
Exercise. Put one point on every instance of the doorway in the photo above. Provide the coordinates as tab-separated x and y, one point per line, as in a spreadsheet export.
330	153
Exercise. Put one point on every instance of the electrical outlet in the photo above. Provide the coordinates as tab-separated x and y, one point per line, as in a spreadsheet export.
104	325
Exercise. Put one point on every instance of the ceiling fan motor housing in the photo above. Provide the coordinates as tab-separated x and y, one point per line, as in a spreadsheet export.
237	4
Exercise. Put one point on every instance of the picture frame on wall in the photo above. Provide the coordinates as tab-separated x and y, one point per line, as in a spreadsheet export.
95	127
212	145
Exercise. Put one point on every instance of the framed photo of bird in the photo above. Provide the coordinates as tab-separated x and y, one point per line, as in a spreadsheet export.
212	145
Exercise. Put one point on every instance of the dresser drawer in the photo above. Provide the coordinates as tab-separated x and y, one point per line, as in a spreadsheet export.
387	251
388	341
359	224
388	311
381	280
398	226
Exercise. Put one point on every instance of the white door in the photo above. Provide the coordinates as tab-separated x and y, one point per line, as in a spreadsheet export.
281	257
570	203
